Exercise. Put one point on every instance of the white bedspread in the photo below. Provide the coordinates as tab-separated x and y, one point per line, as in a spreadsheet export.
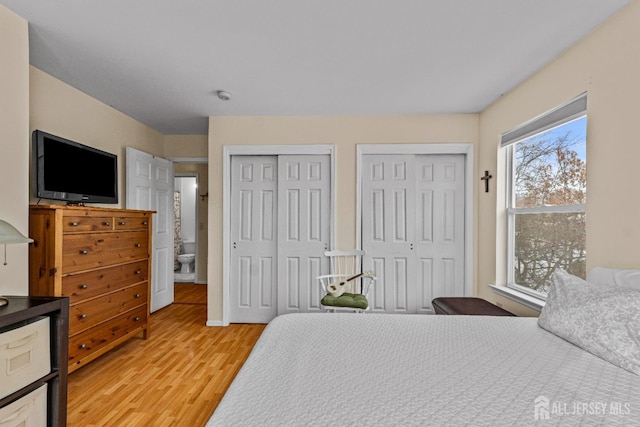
383	370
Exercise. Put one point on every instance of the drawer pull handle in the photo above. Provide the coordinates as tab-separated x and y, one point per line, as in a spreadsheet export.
138	245
122	223
84	286
136	318
83	316
138	271
137	295
83	346
84	252
107	223
74	224
145	223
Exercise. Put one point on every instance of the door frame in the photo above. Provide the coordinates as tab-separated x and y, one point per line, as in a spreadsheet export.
195	175
263	150
465	149
197	161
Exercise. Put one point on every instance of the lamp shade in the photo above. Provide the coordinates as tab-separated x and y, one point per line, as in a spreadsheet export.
9	234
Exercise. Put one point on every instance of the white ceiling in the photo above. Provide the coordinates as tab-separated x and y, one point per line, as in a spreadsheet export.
161	61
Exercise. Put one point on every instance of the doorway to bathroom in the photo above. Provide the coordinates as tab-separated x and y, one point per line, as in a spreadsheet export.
185	205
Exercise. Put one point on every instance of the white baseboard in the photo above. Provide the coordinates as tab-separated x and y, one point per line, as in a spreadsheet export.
214	323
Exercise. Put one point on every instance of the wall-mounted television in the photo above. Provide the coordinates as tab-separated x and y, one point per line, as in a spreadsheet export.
73	172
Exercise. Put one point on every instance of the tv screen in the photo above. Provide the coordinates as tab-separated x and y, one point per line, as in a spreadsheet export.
73	172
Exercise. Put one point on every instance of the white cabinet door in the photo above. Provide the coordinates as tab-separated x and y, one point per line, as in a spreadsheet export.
303	230
254	203
413	229
150	187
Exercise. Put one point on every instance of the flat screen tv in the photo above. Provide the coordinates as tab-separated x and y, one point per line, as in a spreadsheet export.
73	172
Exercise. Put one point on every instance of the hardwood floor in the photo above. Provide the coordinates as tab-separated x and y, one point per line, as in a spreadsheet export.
175	378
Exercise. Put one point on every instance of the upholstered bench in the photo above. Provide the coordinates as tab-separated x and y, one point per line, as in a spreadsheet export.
468	306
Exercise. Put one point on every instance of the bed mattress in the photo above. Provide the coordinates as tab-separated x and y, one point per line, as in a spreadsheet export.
370	370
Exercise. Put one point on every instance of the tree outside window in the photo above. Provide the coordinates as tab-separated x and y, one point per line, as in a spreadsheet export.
547	203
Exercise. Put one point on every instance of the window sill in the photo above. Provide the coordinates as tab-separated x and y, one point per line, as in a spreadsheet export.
519	297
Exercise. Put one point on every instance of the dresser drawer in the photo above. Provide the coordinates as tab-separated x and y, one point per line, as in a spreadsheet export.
76	224
24	356
87	251
81	286
92	340
88	314
29	410
131	223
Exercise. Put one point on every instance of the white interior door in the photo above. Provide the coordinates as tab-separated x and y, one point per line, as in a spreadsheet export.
304	209
253	275
413	229
150	187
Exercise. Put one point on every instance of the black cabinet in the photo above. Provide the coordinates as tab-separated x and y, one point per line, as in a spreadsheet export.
20	311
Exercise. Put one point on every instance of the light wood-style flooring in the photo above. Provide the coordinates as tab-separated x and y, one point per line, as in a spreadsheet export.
175	378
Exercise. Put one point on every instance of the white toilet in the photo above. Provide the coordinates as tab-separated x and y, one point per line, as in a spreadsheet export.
187	258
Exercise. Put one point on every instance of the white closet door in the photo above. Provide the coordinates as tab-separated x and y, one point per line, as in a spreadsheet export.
150	187
413	229
253	274
388	230
440	228
304	208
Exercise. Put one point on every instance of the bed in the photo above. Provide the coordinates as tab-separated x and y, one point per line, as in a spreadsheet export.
369	370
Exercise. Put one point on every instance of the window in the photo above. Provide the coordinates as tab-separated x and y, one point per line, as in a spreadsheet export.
546	197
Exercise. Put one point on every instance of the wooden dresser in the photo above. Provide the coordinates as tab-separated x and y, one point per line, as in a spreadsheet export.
100	259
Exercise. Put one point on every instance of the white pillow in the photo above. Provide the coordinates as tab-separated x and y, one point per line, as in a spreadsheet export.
603	320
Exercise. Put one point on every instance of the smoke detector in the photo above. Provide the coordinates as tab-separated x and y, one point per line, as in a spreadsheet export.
223	95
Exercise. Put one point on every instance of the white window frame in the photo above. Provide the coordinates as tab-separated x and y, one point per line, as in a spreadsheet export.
573	110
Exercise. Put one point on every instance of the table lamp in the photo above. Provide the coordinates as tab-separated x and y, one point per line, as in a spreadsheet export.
8	236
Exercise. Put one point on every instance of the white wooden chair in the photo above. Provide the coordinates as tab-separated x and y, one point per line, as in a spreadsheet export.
345	264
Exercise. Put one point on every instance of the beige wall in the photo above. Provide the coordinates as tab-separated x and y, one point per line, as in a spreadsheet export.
202	170
62	110
606	65
14	147
186	146
343	131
